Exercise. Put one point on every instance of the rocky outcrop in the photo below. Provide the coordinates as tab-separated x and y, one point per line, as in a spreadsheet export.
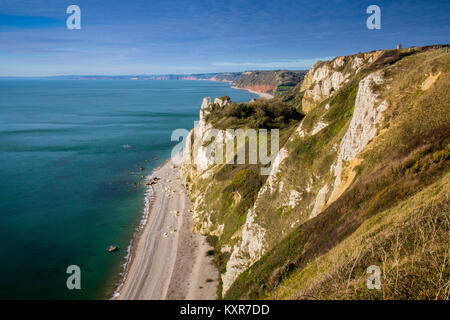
318	127
312	195
248	251
320	84
252	246
198	158
320	201
368	113
324	79
363	125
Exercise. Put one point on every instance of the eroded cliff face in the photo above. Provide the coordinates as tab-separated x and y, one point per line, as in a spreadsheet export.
352	167
199	164
367	115
326	78
253	242
313	168
315	193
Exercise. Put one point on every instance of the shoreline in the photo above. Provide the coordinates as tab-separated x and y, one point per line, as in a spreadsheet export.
233	86
131	249
167	259
260	94
150	199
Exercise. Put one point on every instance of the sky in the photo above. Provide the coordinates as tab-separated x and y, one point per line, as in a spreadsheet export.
124	37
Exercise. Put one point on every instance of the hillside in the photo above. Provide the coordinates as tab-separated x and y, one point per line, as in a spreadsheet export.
361	179
272	82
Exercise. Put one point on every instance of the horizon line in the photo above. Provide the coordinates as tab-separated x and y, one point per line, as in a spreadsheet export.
151	74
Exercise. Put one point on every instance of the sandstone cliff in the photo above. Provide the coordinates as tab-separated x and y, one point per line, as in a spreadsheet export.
271	82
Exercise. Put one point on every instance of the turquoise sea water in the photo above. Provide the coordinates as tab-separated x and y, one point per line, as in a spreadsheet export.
66	181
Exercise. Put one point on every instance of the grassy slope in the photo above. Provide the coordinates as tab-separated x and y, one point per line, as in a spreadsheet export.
233	188
409	242
411	153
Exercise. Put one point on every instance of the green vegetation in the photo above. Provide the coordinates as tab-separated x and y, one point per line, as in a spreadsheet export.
412	153
267	114
393	213
279	80
281	89
408	242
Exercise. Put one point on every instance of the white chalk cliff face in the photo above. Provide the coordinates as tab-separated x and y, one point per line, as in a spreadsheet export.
367	115
309	196
324	79
199	163
250	249
321	82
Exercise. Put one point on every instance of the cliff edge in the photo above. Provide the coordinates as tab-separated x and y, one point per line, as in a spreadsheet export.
361	178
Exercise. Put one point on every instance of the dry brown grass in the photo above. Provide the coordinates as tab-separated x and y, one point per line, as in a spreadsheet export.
410	243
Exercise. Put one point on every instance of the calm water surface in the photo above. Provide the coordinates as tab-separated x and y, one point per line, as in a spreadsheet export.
67	183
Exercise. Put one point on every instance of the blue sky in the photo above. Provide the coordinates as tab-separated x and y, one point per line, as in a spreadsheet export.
155	37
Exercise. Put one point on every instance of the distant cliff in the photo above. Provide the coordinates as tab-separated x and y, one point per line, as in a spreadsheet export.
272	82
362	178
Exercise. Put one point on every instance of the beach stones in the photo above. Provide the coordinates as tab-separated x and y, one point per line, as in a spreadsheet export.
175	212
152	181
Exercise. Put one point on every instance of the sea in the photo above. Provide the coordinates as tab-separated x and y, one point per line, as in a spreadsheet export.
72	154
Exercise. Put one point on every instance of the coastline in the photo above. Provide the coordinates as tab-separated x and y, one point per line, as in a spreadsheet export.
233	86
167	259
192	273
131	249
260	94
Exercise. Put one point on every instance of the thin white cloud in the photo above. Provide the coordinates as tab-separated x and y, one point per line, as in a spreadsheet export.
279	64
